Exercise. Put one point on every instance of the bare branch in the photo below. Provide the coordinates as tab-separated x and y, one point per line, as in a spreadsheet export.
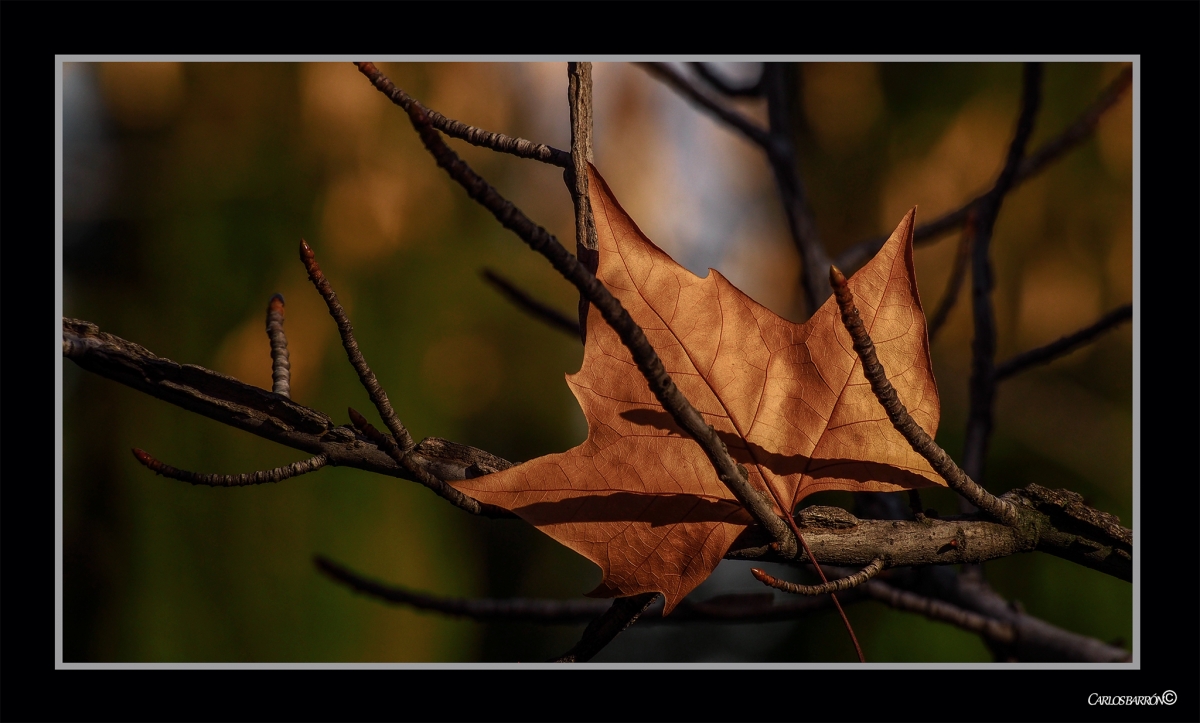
998	622
1083	126
1063	346
1035	640
269	415
955	282
921	442
532	306
281	370
1079	130
611	623
983	346
844	583
754	90
486	139
632	336
278	474
366	376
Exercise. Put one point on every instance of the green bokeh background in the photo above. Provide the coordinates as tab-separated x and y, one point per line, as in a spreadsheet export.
193	184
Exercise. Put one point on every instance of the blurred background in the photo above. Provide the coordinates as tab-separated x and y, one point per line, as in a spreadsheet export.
187	187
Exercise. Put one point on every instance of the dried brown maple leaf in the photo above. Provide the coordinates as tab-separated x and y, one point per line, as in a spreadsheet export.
640	499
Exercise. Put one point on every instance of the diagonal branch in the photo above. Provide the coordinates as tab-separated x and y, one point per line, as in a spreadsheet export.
1083	126
486	139
954	284
365	375
754	90
709	102
631	335
921	442
295	469
532	306
1064	345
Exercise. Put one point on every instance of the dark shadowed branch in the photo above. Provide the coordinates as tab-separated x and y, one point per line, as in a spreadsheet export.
754	90
530	305
1065	345
982	384
954	284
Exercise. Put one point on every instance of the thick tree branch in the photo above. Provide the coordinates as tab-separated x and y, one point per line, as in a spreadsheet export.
530	305
631	335
1063	346
854	257
835	536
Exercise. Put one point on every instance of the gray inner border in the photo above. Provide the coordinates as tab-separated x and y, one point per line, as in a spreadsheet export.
59	60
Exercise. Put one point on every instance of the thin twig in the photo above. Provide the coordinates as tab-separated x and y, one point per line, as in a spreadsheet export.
1061	347
955	282
857	255
921	442
623	612
281	370
982	383
587	243
844	583
295	469
754	90
631	335
366	376
532	306
487	139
